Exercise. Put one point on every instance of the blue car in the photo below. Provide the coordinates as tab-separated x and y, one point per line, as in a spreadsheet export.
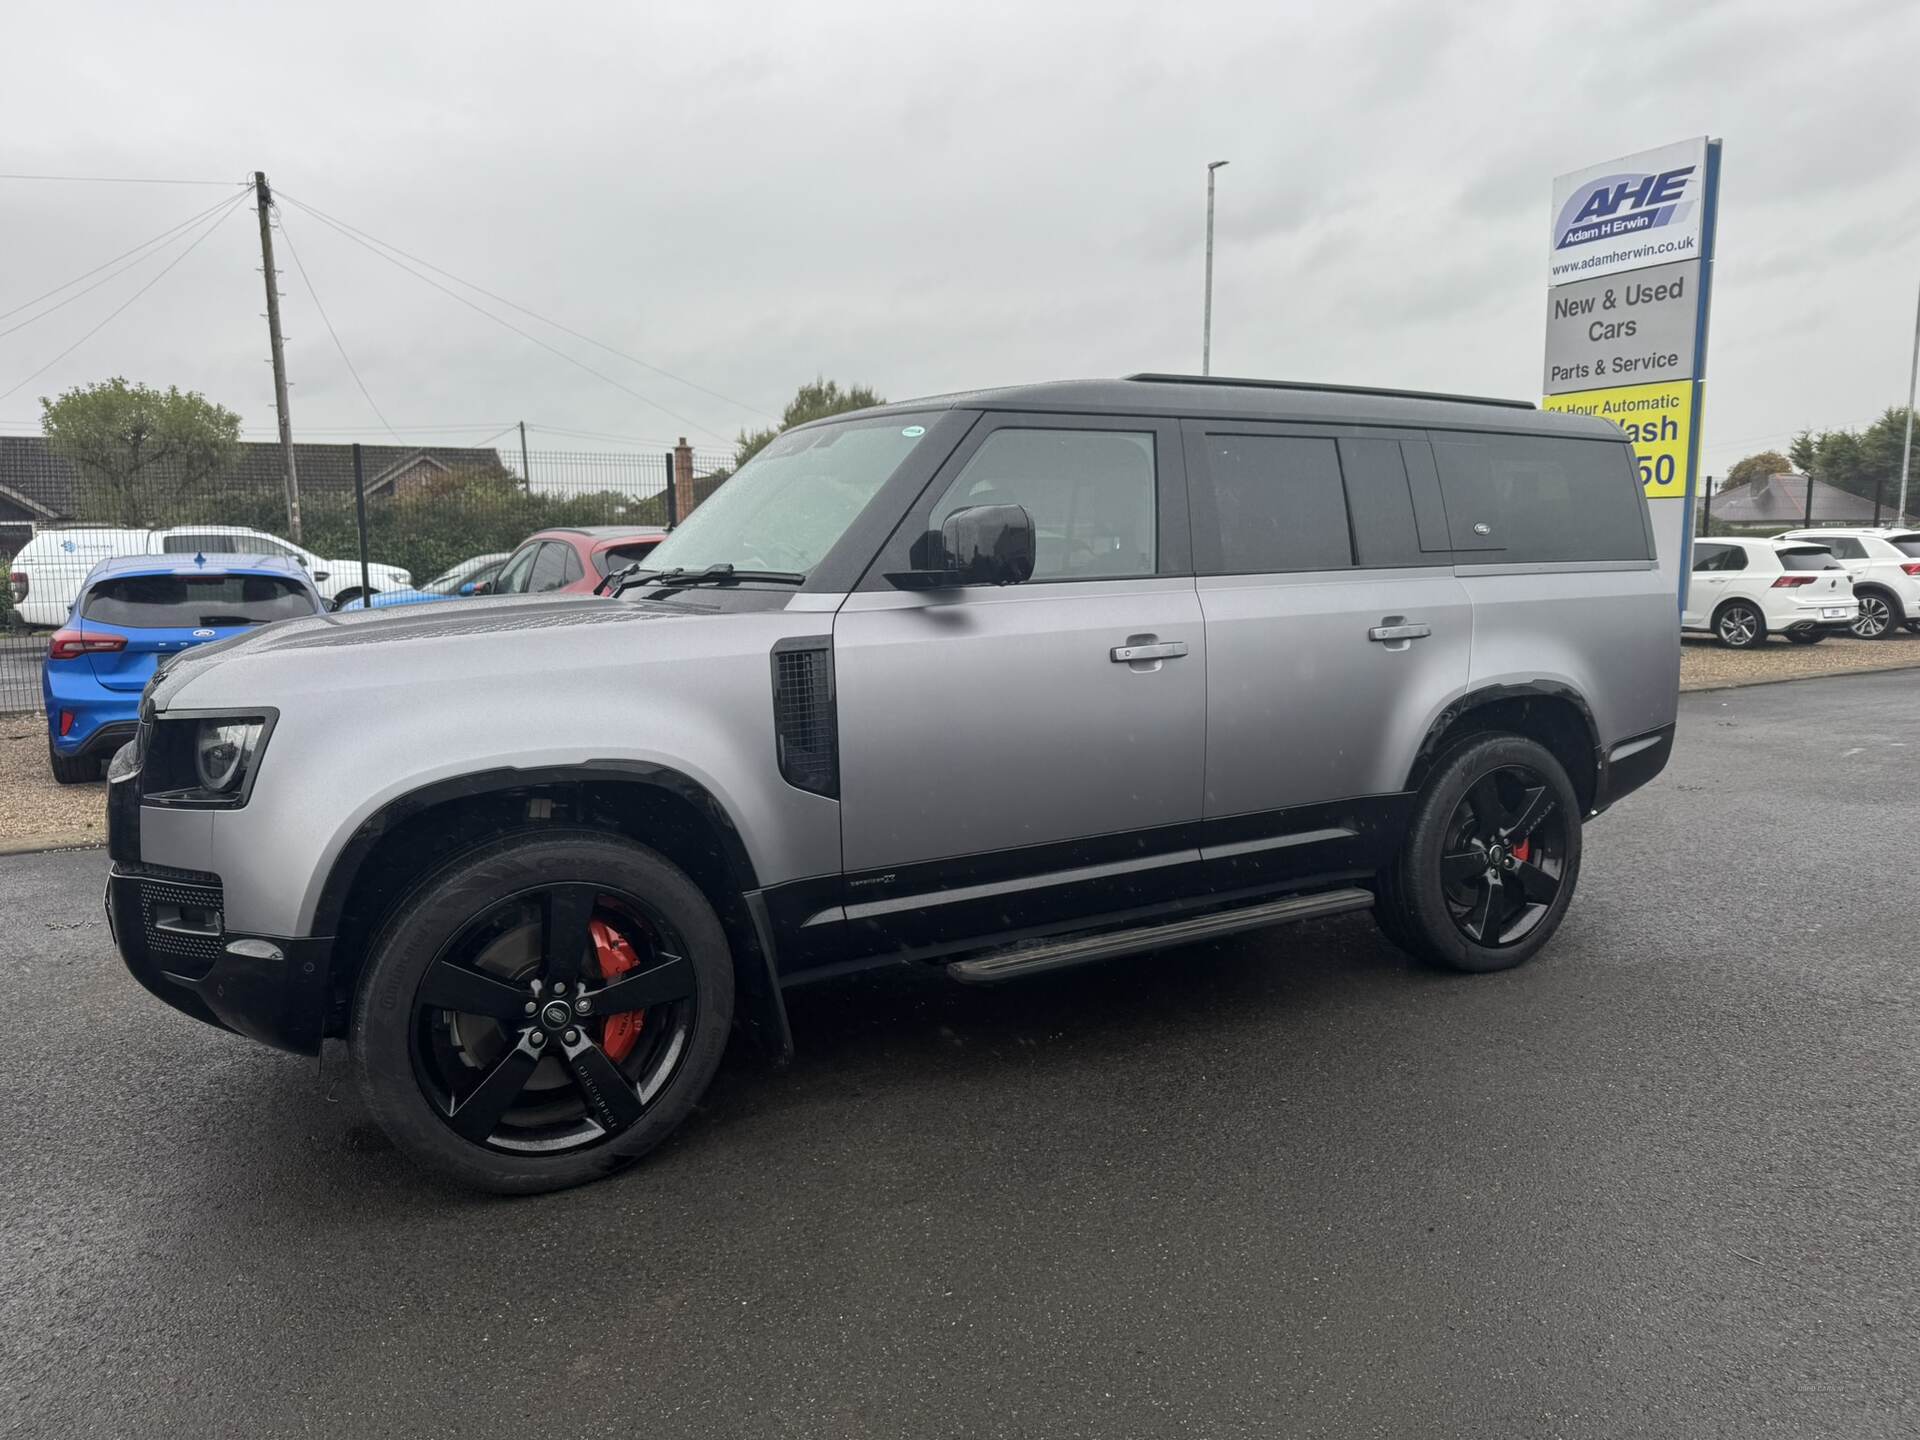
131	613
462	580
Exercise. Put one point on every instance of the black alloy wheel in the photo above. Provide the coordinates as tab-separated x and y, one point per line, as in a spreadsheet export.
552	1019
1505	856
543	1009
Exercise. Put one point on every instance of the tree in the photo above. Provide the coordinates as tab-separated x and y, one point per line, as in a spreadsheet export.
815	400
1861	462
1802	450
1756	467
138	451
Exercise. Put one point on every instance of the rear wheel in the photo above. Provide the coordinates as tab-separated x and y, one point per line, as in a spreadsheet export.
1490	859
543	1011
1877	617
72	769
1805	637
1740	626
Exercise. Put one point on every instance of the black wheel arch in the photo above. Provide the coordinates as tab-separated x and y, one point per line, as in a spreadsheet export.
1554	714
655	805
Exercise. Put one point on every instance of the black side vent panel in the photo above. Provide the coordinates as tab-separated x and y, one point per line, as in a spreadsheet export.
805	732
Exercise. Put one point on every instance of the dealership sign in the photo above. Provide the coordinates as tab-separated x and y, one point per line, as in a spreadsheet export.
1646	209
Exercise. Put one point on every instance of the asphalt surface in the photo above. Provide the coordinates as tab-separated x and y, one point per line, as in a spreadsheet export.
1662	1182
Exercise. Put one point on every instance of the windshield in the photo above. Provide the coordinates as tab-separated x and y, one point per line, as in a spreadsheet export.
172	602
1808	557
784	508
461	574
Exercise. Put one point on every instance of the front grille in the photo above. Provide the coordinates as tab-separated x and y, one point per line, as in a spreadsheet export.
181	919
803	715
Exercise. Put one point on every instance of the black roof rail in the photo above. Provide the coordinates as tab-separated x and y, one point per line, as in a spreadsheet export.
1157	378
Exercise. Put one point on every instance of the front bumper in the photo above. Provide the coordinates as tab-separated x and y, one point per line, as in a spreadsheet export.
169	930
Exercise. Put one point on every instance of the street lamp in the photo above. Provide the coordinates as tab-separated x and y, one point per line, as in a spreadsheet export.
1206	324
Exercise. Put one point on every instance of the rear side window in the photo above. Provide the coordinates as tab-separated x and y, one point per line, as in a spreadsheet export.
1713	557
1536	499
1271	503
177	602
1809	557
550	568
613	557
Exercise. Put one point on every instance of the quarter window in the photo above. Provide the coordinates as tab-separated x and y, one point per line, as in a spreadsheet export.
1271	503
1091	494
1526	499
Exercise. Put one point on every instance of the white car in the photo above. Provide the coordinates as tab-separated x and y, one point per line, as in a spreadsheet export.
1885	566
1745	590
46	574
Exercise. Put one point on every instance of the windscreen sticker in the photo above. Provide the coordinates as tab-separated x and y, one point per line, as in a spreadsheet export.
914	432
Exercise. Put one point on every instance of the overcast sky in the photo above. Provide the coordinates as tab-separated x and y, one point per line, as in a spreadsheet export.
934	198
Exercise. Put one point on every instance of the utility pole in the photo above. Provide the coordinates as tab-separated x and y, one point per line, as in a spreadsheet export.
1206	324
1906	450
265	198
526	465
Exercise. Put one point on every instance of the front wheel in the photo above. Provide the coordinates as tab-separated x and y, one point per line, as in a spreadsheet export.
1876	617
1491	855
543	1011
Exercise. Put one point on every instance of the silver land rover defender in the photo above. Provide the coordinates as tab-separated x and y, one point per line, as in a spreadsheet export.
996	682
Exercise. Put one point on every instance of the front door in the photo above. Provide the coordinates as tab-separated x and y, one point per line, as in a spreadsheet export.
1005	765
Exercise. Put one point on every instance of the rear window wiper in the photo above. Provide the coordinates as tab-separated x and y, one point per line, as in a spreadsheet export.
721	574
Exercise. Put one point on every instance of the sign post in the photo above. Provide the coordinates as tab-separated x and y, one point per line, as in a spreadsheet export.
1630	281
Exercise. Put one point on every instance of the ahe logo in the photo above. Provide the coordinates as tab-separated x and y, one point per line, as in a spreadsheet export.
1623	204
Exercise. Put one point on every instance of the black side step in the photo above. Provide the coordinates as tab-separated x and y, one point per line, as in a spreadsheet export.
1082	949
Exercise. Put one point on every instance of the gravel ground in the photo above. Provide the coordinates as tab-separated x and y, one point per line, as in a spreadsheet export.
34	811
1708	665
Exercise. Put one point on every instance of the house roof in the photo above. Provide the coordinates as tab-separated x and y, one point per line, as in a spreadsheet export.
41	484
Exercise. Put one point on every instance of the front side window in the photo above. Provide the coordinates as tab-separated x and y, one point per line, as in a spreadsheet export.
513	575
1271	504
785	508
175	602
550	567
1844	547
1091	494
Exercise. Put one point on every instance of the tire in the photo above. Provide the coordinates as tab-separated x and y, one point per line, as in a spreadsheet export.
1879	616
1913	627
1805	637
1739	625
567	1118
343	599
1510	787
72	769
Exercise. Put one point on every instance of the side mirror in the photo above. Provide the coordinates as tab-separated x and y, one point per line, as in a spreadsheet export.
977	545
321	575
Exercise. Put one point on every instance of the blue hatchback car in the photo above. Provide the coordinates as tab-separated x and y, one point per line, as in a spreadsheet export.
131	613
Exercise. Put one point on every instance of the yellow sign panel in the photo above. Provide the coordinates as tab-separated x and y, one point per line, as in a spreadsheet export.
1657	418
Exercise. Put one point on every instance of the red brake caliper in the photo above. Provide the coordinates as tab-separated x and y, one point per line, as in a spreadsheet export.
616	957
1520	852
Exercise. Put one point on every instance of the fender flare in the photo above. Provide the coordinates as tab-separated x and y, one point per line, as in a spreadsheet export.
1486	695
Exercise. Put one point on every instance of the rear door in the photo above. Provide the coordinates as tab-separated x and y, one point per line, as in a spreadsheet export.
1336	632
1005	764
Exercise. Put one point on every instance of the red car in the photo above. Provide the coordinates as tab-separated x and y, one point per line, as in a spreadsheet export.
570	559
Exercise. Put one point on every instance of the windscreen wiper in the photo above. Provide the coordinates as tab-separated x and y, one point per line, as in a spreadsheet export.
724	573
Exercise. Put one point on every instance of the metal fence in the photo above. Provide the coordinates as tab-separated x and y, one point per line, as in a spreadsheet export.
425	510
1773	503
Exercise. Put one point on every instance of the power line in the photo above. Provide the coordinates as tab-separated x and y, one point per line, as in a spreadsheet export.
307	280
232	205
157	240
508	324
536	315
121	180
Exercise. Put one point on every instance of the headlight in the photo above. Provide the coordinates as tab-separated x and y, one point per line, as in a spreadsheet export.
223	752
203	760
